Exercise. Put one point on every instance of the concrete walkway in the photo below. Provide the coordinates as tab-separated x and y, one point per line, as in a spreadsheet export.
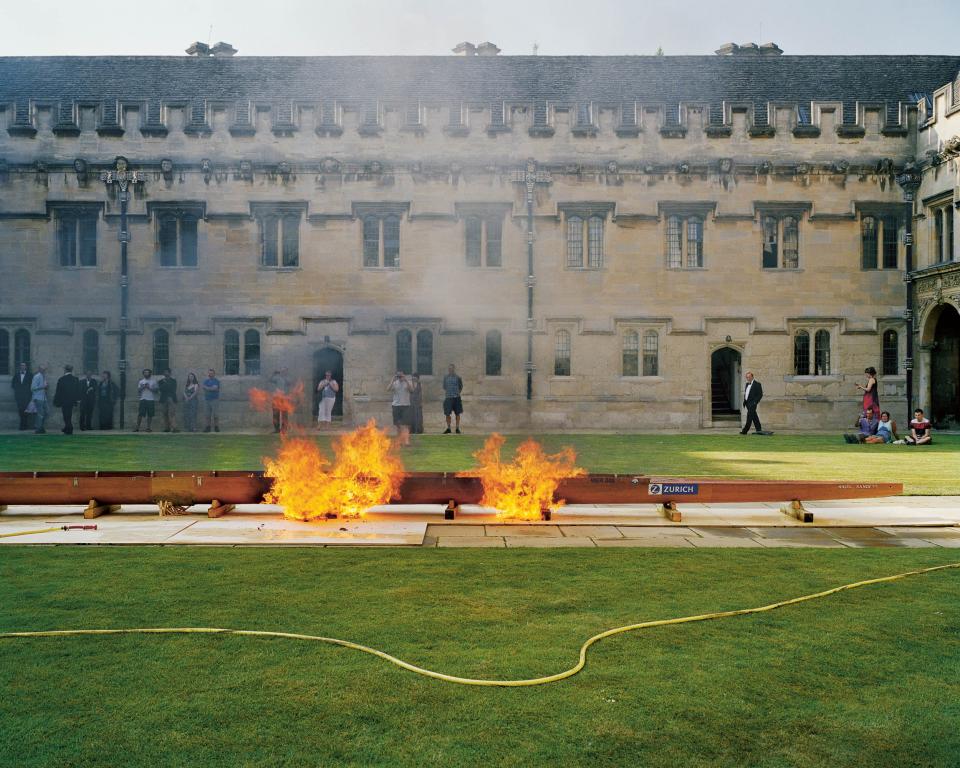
906	521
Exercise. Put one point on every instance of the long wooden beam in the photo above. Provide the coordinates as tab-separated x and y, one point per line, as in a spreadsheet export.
188	488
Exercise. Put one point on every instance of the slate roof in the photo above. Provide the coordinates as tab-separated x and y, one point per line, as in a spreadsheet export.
649	79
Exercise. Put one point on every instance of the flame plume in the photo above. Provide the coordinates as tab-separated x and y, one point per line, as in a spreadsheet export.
285	402
365	472
523	488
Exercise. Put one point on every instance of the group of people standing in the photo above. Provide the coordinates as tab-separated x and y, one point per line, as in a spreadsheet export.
407	403
163	390
87	394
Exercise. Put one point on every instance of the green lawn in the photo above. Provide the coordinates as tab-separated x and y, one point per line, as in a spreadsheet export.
866	678
928	470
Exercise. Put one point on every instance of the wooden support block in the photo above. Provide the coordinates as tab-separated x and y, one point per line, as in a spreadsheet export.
3	507
95	509
219	510
669	510
796	509
546	514
450	513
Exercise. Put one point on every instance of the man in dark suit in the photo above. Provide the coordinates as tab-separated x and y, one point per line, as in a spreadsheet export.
67	395
752	395
88	400
20	382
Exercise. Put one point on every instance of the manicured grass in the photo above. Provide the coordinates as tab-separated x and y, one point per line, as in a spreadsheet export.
866	678
933	469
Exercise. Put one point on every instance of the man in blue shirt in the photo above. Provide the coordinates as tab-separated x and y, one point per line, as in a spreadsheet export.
452	387
211	400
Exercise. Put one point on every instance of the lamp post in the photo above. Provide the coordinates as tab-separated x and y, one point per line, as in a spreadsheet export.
529	176
123	178
909	180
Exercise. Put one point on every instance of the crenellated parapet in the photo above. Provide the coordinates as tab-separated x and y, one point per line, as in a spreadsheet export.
602	100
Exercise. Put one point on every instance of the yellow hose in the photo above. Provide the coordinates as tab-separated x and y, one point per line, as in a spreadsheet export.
29	533
467	680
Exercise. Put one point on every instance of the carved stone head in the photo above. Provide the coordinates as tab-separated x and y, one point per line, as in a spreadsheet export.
80	168
726	165
166	169
612	167
246	170
121	164
330	165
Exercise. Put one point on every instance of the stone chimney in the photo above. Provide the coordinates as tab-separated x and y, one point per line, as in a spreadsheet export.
465	49
202	50
749	49
223	50
487	49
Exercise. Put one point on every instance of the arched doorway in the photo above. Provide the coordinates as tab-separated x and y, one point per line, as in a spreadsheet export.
328	359
945	368
725	385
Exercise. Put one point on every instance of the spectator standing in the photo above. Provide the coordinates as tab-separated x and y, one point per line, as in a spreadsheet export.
871	398
20	383
66	396
38	402
88	400
400	388
280	383
211	400
416	406
147	394
327	389
167	388
191	402
107	395
452	402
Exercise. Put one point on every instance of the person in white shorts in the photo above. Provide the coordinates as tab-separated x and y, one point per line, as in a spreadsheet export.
327	388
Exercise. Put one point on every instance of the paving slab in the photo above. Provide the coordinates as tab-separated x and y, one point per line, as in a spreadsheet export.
470	541
544	541
248	530
653	541
890	541
127	529
520	530
818	541
435	529
723	541
922	530
652	531
591	531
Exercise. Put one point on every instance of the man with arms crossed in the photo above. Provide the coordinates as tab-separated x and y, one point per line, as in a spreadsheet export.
452	403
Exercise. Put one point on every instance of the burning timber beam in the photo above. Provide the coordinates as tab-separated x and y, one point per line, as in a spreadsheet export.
229	488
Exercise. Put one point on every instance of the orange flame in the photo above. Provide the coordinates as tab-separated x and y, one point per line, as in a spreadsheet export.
286	402
366	472
523	488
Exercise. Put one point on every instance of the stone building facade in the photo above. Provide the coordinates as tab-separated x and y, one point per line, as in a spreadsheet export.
936	280
594	242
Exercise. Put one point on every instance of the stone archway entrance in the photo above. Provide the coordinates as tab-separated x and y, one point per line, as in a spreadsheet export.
945	368
725	385
328	359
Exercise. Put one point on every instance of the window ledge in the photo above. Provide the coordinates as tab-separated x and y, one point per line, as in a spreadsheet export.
266	268
381	269
77	267
561	378
643	379
184	266
893	378
809	379
586	269
781	269
687	269
478	267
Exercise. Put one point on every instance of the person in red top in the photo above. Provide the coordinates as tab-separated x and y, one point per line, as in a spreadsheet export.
919	429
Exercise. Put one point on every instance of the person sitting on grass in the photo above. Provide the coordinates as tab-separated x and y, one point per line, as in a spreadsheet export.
886	430
920	429
867	425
